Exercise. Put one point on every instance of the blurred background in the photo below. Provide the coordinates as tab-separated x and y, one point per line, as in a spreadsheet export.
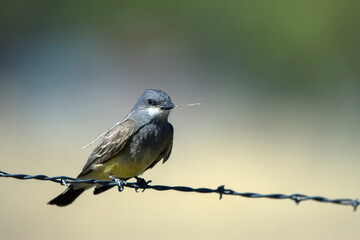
279	83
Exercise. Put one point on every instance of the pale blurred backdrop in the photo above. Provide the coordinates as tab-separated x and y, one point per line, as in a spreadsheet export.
279	83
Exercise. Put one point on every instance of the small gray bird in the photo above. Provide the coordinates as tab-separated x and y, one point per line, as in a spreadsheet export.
130	147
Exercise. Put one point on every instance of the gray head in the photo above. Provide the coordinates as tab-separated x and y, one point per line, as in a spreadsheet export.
152	104
154	98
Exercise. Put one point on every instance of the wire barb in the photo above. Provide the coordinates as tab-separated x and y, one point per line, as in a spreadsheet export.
221	190
119	182
355	203
297	198
63	182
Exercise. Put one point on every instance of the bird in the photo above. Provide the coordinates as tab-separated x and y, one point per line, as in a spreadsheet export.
129	148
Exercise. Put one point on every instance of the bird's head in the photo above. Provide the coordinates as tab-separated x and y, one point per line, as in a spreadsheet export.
153	104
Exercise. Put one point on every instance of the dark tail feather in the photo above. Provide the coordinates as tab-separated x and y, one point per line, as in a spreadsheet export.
102	189
67	197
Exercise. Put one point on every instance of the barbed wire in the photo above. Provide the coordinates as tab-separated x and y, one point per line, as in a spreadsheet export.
221	190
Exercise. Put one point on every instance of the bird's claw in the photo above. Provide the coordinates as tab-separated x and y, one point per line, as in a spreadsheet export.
141	183
119	182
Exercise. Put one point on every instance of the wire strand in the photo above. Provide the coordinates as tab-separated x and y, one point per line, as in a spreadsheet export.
221	190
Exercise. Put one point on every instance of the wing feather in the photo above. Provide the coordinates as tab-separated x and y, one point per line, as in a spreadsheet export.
112	143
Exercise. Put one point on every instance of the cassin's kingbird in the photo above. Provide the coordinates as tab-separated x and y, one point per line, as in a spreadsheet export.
130	147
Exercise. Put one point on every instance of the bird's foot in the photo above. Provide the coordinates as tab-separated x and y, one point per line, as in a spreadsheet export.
119	182
141	183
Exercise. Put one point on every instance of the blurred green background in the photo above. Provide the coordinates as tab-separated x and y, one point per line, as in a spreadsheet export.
279	83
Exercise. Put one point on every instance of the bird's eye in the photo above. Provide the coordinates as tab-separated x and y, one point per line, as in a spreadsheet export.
151	102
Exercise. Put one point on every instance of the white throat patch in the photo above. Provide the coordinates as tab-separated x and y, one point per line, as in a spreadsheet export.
154	111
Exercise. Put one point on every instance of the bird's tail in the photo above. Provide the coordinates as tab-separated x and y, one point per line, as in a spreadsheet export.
67	197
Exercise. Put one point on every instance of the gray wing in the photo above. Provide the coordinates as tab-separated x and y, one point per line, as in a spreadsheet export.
112	143
168	150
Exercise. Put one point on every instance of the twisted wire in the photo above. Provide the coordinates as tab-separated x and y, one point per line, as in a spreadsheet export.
221	190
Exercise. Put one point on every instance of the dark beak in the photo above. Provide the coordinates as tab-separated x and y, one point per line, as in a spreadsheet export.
167	106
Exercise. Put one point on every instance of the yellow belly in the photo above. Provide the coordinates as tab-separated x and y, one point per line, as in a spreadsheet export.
121	167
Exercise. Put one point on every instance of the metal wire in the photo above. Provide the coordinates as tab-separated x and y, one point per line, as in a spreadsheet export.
221	190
